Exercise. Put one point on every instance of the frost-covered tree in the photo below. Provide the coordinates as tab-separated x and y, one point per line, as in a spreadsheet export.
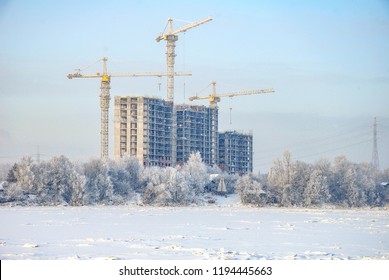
57	185
296	183
41	180
197	173
11	176
24	175
353	192
158	189
63	183
183	193
323	165
250	190
78	194
338	186
353	184
153	174
126	177
4	171
384	176
280	177
317	189
299	180
368	178
382	187
167	186
98	185
289	182
120	179
134	169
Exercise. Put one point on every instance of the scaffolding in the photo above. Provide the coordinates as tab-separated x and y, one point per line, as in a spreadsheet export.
236	152
143	129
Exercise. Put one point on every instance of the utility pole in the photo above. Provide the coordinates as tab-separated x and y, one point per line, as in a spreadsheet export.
374	159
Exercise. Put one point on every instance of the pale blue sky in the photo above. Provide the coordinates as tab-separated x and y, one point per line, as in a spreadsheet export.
327	60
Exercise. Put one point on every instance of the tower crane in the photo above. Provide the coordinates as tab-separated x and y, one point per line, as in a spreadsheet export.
171	37
214	98
105	96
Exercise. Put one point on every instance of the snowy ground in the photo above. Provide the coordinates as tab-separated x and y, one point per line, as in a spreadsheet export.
224	231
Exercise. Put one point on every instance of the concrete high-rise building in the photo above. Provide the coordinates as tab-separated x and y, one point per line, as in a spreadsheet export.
143	129
197	128
236	152
146	128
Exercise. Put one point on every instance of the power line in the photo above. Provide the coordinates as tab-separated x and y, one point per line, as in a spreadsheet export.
322	152
341	139
322	141
334	136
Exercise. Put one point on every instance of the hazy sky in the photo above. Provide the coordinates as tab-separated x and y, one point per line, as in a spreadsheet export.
327	60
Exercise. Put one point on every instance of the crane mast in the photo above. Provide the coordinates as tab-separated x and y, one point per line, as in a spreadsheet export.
104	106
105	98
170	37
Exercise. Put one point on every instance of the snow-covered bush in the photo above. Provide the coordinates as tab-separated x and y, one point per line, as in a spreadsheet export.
167	186
250	191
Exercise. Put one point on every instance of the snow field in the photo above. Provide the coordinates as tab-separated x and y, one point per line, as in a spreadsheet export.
186	233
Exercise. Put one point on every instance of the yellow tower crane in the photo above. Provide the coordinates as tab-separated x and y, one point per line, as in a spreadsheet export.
214	98
171	37
105	96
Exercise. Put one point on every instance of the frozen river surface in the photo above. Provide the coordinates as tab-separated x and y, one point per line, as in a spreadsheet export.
228	232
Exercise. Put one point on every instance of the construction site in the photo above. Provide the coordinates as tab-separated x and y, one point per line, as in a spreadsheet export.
144	129
161	133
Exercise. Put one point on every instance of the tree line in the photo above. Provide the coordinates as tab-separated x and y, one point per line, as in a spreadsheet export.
288	183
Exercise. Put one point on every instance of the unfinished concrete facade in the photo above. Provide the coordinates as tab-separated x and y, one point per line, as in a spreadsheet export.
143	129
236	152
197	128
146	128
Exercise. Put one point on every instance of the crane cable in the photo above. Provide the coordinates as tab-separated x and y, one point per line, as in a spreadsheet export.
230	110
184	64
88	66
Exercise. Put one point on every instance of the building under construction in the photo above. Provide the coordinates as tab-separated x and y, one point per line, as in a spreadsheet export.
157	132
196	131
236	152
144	128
